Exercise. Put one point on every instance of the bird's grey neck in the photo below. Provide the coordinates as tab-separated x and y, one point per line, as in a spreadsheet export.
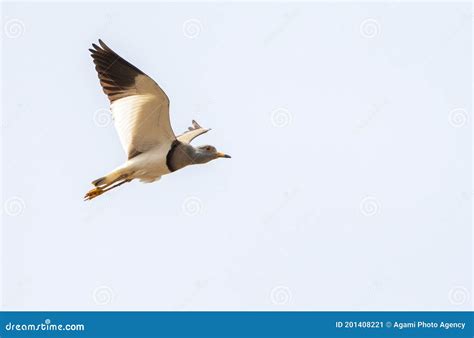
181	155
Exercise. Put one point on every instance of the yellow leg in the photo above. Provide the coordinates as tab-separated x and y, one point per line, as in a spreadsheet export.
93	193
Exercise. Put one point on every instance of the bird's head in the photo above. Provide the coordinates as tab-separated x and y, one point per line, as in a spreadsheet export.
208	153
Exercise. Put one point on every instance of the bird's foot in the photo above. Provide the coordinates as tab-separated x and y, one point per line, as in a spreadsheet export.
93	193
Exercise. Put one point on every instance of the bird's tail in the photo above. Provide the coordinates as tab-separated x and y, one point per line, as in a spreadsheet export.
99	181
110	178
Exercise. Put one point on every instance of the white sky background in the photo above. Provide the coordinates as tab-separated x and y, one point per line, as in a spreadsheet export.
354	194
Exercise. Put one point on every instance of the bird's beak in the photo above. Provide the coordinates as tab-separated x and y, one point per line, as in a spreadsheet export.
219	154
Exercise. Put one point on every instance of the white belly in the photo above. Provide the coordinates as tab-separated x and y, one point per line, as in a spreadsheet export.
149	166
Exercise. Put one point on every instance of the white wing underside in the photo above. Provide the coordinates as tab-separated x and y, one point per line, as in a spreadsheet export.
142	120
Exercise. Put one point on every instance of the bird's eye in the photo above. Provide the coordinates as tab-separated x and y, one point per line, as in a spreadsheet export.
208	148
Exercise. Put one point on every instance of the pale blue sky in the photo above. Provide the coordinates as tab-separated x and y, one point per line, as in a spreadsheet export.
328	109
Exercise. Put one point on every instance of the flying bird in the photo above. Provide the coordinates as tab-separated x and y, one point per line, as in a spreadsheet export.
140	109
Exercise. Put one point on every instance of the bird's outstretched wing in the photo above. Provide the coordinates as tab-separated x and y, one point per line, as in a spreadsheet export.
140	108
194	131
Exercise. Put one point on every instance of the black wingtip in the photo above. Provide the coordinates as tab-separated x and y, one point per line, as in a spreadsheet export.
100	46
103	45
196	125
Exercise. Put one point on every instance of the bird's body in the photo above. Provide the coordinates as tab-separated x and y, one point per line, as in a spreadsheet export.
147	167
140	109
150	166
